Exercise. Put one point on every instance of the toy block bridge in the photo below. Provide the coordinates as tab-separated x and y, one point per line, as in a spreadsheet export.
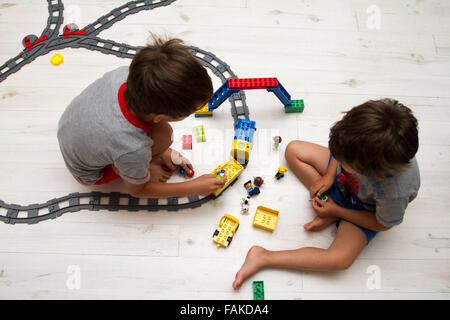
232	86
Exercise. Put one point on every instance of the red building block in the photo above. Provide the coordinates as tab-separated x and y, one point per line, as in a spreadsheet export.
252	83
187	142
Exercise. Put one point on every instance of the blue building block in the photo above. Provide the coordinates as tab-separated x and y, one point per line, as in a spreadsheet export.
281	94
245	130
220	96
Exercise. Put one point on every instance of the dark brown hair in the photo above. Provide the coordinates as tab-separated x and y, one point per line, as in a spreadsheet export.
164	77
375	138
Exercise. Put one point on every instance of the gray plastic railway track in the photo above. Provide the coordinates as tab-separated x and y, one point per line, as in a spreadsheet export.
51	40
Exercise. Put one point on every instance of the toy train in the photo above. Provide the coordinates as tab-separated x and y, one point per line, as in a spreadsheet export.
240	153
243	140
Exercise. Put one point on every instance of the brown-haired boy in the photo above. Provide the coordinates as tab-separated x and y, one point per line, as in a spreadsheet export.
370	173
119	125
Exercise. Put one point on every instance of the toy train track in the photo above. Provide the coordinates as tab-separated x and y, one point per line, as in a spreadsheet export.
50	40
93	201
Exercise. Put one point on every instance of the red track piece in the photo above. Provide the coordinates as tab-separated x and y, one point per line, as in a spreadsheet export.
67	32
252	83
30	45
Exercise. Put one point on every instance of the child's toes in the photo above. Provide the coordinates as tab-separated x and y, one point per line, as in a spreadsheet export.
307	226
237	282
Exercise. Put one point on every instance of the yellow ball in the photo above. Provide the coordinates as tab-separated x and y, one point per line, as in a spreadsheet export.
57	59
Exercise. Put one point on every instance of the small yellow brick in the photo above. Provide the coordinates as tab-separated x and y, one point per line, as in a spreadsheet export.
265	218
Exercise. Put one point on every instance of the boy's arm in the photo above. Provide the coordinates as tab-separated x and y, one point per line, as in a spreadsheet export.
203	185
158	189
364	219
326	181
332	169
389	212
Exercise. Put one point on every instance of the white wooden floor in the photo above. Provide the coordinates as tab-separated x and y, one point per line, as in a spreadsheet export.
323	52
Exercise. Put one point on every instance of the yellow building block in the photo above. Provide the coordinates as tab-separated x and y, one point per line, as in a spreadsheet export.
203	112
232	170
265	218
241	149
224	234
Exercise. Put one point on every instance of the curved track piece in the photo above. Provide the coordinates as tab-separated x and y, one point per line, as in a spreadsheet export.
34	213
93	201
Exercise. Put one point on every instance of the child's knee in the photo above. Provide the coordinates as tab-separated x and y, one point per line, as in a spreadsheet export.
292	149
341	261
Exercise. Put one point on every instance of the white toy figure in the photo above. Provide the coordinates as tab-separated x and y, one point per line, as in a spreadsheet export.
245	205
276	142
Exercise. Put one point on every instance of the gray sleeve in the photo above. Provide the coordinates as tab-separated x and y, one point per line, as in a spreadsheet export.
389	212
134	166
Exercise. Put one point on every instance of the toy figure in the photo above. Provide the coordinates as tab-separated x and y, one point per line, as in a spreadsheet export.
258	181
280	173
220	174
250	188
245	205
276	142
184	173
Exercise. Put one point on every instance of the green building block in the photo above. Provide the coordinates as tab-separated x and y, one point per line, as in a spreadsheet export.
258	290
296	106
323	197
200	133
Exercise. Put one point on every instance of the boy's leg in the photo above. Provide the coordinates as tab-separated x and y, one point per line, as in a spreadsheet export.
309	162
341	254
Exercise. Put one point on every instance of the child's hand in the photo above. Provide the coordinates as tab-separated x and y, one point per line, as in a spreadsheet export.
172	159
207	184
321	186
324	209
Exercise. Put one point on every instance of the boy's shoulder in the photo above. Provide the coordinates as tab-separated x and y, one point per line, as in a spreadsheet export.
118	73
403	185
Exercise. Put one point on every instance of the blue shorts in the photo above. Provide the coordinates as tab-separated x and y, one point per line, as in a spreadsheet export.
354	205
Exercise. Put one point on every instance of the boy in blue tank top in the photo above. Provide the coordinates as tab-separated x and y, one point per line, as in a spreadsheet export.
369	173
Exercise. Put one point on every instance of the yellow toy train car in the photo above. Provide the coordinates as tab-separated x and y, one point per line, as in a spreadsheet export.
232	170
227	227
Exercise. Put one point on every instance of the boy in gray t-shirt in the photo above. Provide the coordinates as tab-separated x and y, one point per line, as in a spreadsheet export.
118	127
368	174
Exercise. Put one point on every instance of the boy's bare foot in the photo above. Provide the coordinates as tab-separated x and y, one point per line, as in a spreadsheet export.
319	223
254	261
159	173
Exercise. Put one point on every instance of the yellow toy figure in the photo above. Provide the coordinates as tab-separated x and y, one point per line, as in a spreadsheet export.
280	173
